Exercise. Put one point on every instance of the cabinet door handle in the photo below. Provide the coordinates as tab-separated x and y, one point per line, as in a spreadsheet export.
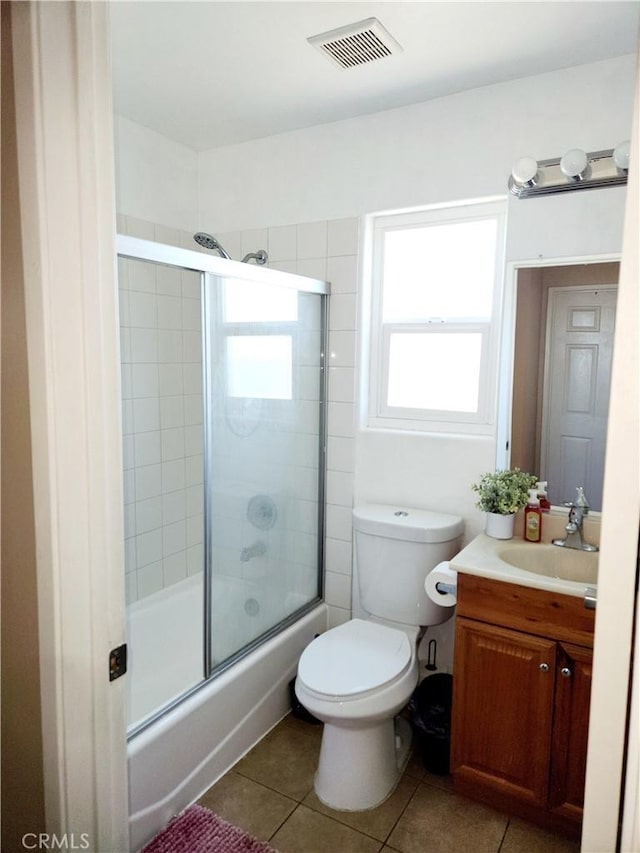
544	667
566	672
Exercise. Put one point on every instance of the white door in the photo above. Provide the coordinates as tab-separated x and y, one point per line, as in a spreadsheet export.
580	326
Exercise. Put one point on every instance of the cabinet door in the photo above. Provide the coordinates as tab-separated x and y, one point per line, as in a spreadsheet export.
570	730
502	710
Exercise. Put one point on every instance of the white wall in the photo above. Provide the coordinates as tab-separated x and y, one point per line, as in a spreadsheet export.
452	148
458	147
156	178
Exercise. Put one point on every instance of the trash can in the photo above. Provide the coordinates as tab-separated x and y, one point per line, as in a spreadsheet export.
430	710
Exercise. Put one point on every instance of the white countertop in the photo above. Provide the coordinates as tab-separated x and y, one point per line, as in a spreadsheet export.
485	557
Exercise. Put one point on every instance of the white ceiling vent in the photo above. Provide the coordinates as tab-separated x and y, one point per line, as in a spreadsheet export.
357	43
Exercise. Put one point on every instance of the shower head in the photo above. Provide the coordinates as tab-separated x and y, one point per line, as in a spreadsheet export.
260	257
210	242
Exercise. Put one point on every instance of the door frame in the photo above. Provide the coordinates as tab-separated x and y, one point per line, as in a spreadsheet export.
64	125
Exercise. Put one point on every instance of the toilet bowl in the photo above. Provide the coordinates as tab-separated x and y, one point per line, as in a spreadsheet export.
356	677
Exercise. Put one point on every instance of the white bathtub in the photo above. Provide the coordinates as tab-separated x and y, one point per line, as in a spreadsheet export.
175	759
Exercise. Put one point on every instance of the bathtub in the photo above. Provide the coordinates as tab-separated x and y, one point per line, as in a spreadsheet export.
177	757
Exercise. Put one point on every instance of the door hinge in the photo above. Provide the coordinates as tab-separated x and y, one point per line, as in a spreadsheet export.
117	662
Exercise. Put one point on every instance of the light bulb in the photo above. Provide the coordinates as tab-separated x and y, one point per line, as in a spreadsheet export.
525	171
574	164
621	156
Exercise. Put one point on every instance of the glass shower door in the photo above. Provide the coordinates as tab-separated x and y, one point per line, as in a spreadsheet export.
265	437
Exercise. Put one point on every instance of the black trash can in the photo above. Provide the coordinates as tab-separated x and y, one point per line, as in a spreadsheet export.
297	708
430	709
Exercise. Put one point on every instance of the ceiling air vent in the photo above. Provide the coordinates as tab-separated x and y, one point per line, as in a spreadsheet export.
356	44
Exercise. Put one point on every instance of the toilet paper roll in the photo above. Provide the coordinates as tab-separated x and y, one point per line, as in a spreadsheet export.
442	574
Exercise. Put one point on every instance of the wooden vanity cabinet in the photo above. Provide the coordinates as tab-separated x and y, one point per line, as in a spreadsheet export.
520	714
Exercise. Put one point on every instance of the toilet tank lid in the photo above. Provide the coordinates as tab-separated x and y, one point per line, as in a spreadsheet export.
407	523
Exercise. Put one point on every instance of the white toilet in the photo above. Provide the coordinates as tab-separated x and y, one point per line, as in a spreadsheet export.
358	676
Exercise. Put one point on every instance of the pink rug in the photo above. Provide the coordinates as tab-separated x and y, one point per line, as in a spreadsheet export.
198	830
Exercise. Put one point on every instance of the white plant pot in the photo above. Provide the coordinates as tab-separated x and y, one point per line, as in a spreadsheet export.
499	526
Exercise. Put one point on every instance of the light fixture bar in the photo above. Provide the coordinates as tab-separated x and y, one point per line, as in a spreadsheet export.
601	171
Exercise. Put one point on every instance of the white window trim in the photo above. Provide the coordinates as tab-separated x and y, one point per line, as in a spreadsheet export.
381	416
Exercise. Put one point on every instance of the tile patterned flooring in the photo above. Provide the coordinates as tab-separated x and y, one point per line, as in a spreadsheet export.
269	793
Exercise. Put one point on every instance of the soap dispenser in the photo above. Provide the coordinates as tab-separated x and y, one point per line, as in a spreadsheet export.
545	506
532	518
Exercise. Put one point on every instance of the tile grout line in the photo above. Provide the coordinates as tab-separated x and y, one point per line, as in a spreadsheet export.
506	829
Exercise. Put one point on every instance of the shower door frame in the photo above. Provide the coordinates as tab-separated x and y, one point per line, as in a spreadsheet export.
210	268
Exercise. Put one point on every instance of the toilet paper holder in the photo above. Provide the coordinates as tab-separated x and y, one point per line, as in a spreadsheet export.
444	588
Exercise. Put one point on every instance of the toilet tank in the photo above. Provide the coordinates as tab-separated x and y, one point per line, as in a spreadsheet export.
396	548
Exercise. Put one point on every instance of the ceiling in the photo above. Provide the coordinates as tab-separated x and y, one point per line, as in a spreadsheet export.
208	74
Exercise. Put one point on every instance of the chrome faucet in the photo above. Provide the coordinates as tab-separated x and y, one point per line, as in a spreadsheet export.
574	537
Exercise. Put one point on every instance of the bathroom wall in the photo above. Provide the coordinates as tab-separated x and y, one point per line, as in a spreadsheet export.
305	185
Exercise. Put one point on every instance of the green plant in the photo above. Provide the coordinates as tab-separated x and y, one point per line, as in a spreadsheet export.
504	492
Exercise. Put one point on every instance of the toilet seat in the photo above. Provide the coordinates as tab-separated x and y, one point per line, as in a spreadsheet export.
354	658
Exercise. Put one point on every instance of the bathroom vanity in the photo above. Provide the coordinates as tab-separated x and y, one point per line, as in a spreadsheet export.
522	679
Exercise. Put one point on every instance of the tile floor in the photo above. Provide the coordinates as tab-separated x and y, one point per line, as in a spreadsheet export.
269	793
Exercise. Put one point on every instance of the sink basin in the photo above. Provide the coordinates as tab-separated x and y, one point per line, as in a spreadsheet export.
551	561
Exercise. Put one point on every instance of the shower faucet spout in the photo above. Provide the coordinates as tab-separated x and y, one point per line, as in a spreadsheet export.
260	257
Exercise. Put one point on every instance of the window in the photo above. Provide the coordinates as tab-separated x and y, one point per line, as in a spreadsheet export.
259	323
435	288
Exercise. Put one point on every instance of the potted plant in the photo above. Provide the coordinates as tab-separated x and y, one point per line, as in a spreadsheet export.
501	494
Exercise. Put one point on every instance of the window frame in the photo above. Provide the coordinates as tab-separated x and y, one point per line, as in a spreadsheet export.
382	416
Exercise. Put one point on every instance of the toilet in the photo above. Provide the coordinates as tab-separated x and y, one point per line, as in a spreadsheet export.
356	677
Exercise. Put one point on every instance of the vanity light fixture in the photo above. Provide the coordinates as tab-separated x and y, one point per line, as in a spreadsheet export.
576	170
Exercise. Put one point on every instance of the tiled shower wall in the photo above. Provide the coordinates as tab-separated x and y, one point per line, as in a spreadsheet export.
326	250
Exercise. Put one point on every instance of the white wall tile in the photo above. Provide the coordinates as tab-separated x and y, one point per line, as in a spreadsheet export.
338	556
173	475
337	616
192	314
282	245
192	346
147	482
143	310
169	346
193	441
193	409
166	235
194	468
195	529
195	500
338	522
312	240
341	384
148	547
144	380
173	506
171	412
149	579
342	272
341	419
173	537
342	311
148	515
342	349
341	454
147	448
253	240
131	587
174	568
195	559
144	345
312	268
168	281
172	443
169	312
342	236
337	590
190	284
146	414
170	380
340	488
142	276
139	228
127	417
